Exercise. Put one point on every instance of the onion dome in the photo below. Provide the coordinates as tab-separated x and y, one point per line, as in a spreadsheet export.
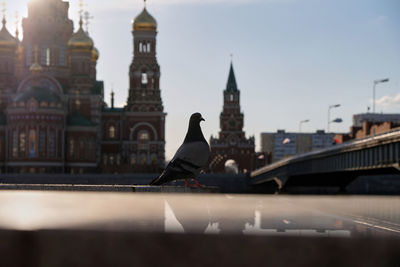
7	41
144	22
95	54
80	40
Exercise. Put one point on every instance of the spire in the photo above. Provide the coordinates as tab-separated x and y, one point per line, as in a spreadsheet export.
144	3
80	14
231	84
87	18
16	25
3	11
112	98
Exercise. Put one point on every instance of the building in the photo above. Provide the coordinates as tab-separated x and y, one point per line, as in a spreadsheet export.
232	143
53	117
369	124
283	144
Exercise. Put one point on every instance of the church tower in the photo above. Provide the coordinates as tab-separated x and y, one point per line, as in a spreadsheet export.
232	143
144	73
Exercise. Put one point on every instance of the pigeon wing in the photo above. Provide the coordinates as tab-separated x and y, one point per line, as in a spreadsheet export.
192	156
187	163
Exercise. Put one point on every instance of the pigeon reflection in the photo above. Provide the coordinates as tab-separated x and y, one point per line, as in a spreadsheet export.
206	216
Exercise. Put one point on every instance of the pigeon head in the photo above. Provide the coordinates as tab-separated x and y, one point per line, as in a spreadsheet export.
194	132
196	118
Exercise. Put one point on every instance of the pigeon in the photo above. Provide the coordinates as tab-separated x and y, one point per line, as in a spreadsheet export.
191	157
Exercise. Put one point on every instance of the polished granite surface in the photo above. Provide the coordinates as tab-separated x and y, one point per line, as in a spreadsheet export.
261	215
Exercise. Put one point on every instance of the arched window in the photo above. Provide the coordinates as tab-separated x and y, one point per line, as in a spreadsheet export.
231	97
143	159
133	159
32	143
47	56
148	47
62	60
28	55
52	144
71	148
144	78
22	142
143	139
111	132
42	143
140	47
15	144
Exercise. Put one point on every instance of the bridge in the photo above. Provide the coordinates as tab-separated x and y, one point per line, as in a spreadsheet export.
336	166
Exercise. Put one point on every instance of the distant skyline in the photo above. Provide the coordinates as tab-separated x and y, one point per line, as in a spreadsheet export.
292	58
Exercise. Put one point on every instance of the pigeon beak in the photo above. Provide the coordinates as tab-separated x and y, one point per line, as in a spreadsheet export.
202	119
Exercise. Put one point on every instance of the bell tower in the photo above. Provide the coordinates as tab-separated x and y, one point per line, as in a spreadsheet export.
231	119
144	73
231	143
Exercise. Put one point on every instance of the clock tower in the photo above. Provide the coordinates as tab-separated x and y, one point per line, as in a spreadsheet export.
232	143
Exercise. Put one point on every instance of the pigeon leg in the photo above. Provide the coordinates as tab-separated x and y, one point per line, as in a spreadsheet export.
197	184
187	183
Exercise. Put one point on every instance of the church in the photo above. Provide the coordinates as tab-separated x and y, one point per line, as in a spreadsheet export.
53	117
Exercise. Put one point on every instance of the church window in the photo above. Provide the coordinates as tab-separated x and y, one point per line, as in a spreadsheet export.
42	143
144	78
14	144
143	159
71	148
28	55
32	143
52	144
140	47
111	158
111	132
45	56
22	142
144	48
148	47
62	57
81	148
144	138
231	97
105	159
133	159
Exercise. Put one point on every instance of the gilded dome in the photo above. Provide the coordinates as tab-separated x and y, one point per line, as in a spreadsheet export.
80	40
7	41
144	22
95	54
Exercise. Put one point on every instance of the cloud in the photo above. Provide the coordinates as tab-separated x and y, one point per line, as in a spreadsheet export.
389	101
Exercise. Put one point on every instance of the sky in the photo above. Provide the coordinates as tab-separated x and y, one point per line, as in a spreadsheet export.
292	58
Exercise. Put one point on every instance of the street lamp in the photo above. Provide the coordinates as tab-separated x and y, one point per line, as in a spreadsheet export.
329	114
337	120
373	91
301	122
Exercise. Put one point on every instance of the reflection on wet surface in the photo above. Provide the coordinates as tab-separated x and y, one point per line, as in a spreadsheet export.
345	216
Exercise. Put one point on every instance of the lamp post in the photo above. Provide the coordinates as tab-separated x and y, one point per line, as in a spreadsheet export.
329	114
301	122
373	91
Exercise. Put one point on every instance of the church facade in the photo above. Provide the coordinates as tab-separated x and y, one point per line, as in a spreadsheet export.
232	144
53	118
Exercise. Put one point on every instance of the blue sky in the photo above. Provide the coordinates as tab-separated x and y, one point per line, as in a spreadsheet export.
292	58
